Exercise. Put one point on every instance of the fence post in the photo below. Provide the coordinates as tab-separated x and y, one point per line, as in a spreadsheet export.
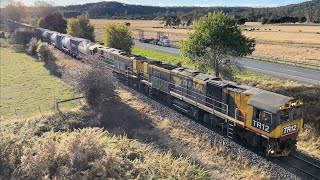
40	110
15	111
54	105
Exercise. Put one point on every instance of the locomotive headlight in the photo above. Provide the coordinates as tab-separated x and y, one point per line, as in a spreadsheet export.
280	107
293	104
272	151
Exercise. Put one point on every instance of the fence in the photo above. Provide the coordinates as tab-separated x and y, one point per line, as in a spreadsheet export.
313	63
57	105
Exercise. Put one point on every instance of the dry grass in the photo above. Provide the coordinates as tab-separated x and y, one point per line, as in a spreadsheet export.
146	25
285	37
305	28
288	52
309	143
281	42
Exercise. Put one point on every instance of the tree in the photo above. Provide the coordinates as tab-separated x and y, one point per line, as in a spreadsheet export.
118	36
81	27
302	19
219	34
242	21
167	22
54	22
264	20
41	9
177	22
15	11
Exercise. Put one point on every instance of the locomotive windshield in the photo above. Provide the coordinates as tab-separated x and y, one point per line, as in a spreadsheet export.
297	113
288	115
284	116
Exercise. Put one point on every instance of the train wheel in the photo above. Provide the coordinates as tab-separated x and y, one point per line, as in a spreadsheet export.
207	119
169	100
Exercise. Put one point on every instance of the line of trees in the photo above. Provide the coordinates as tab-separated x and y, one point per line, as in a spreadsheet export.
278	20
115	10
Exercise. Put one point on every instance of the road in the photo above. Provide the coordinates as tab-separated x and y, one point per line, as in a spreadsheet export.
260	67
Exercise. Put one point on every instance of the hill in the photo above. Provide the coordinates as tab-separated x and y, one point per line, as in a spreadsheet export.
116	10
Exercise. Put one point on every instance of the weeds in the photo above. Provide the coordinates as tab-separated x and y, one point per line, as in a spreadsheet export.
45	53
32	46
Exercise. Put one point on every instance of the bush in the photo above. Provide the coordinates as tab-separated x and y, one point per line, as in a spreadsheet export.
32	46
93	154
2	34
45	53
22	37
94	82
81	154
14	137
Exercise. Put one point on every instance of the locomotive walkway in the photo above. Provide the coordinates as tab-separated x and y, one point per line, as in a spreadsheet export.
283	71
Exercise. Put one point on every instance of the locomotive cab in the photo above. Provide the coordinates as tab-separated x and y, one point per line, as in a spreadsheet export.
278	119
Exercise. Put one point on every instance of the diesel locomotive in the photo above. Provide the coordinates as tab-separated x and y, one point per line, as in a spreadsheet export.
262	118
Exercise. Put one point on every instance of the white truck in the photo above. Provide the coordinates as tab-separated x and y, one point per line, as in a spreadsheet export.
161	40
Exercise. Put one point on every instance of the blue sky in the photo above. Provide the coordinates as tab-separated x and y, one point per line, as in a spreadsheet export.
251	3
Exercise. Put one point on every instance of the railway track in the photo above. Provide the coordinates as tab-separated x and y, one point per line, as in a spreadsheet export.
301	165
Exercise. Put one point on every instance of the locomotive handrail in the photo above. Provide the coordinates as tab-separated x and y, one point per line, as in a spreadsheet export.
225	110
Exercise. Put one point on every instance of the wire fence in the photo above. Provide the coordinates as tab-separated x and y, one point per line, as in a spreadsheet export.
314	63
57	105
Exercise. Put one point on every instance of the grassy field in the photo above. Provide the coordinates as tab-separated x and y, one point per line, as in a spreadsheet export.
27	86
296	42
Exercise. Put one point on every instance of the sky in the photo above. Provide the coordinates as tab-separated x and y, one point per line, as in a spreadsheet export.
249	3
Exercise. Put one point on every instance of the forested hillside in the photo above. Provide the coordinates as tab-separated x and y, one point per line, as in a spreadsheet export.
309	11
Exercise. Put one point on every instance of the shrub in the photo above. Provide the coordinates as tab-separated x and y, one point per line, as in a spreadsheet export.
91	153
22	37
81	154
32	46
45	53
94	82
14	137
2	34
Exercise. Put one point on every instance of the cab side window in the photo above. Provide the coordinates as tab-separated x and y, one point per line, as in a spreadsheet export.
263	116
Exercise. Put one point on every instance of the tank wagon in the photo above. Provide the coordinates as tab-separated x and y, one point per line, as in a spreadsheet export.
75	46
262	118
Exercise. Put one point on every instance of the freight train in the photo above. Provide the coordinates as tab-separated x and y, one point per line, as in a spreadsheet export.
261	118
